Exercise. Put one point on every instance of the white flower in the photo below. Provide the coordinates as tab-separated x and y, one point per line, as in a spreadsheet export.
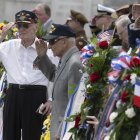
113	116
89	86
107	137
85	110
130	113
118	104
133	81
80	71
133	75
84	66
133	78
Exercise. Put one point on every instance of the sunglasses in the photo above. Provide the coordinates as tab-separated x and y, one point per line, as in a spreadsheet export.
53	41
23	25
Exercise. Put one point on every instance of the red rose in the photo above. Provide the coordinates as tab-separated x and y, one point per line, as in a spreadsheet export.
91	65
135	61
77	121
124	97
127	77
107	123
103	44
94	77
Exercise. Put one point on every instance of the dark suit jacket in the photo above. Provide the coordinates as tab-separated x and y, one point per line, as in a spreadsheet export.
133	34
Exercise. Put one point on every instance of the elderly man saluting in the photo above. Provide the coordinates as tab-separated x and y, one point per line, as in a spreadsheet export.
26	84
61	40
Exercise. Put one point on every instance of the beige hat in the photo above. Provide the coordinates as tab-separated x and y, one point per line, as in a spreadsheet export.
78	17
123	10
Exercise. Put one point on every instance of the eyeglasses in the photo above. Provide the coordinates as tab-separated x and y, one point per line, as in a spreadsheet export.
53	41
23	25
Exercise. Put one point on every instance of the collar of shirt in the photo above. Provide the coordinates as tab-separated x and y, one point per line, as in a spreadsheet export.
49	20
31	46
66	55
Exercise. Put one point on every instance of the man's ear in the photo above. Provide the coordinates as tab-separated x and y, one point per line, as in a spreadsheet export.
65	42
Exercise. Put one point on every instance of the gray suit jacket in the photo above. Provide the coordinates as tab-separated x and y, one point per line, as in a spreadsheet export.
47	26
67	74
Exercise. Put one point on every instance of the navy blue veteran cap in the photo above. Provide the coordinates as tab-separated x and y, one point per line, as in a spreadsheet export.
25	17
58	30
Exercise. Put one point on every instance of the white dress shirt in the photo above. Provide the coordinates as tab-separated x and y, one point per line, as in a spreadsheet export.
18	62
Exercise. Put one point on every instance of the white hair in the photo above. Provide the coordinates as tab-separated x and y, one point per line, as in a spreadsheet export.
72	40
123	21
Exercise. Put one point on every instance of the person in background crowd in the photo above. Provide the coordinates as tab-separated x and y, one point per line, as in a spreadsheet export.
103	24
135	11
26	84
77	21
122	30
94	29
103	20
120	12
62	42
43	12
123	10
133	28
